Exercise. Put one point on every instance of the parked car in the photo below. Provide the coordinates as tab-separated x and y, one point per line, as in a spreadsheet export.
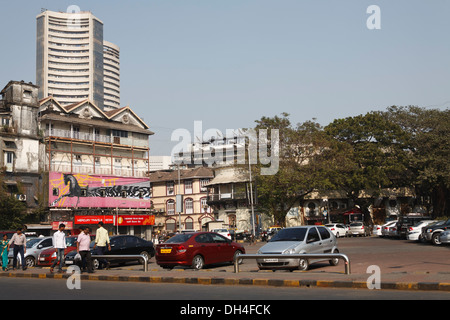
433	232
408	220
197	250
376	230
34	247
445	237
359	229
298	240
338	229
385	228
415	232
48	256
120	245
223	232
392	231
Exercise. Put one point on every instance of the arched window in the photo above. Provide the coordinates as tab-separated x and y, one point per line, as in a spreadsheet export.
189	223
171	225
204	206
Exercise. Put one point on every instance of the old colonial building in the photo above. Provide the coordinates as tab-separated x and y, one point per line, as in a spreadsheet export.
191	185
96	165
19	142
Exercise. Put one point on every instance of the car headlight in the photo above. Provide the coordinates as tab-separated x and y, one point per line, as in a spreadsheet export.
289	251
54	255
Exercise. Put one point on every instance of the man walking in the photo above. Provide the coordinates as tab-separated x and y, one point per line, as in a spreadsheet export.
20	247
101	241
59	243
83	248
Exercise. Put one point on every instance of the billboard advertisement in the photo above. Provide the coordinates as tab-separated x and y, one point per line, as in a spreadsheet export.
97	191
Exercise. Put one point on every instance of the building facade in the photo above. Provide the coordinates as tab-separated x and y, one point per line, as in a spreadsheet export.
70	59
111	68
96	166
19	142
191	185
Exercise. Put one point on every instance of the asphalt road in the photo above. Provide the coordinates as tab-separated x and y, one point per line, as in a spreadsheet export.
56	289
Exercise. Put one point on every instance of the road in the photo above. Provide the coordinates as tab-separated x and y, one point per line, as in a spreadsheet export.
56	289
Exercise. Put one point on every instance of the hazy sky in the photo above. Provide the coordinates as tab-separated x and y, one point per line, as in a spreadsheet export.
230	62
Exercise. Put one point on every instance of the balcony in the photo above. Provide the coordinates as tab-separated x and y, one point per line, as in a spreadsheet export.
100	138
225	197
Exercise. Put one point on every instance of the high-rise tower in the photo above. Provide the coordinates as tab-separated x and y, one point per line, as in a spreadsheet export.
69	57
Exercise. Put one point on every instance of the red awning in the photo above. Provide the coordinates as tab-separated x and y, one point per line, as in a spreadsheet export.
353	211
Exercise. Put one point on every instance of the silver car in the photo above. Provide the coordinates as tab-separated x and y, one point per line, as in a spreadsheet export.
445	237
358	229
298	240
34	248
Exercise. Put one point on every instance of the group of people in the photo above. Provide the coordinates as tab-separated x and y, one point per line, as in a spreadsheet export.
19	242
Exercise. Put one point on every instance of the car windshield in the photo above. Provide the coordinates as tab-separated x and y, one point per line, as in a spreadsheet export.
32	242
71	242
290	234
180	238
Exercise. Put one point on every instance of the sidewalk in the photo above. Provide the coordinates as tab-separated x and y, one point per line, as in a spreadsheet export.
251	276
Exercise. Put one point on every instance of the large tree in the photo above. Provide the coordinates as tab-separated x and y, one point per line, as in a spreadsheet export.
301	165
428	140
375	155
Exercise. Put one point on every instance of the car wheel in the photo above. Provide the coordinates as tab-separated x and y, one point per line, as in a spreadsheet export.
29	262
145	254
236	254
337	234
95	264
303	264
435	240
335	261
198	262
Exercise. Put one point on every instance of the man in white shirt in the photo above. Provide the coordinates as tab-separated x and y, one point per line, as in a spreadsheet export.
20	247
59	243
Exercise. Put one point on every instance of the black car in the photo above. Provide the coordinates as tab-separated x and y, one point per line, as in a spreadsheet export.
120	245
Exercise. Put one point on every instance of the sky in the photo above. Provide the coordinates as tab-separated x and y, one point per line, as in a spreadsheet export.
228	63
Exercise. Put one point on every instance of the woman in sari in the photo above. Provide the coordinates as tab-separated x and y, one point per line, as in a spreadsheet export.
4	252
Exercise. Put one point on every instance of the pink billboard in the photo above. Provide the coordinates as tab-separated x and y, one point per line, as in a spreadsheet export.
96	191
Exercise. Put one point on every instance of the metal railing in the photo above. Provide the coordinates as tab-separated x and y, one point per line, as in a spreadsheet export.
124	257
292	256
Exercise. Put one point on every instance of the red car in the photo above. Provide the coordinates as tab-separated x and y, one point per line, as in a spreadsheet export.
197	250
47	256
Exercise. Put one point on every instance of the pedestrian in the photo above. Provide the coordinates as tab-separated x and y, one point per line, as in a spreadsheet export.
4	250
59	243
101	241
20	247
83	248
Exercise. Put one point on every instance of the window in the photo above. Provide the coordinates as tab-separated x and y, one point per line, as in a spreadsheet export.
189	206
324	234
203	182
170	191
170	206
170	225
120	133
217	238
188	187
189	223
313	236
9	157
204	206
203	238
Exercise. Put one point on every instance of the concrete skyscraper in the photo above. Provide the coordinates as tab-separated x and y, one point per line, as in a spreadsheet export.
70	61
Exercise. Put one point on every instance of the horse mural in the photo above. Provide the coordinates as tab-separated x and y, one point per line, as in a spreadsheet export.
98	191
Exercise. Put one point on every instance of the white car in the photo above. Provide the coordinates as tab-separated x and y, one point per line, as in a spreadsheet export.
338	229
376	230
415	232
385	228
223	232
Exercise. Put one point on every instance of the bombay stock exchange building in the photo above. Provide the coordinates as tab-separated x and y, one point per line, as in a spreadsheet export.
70	60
